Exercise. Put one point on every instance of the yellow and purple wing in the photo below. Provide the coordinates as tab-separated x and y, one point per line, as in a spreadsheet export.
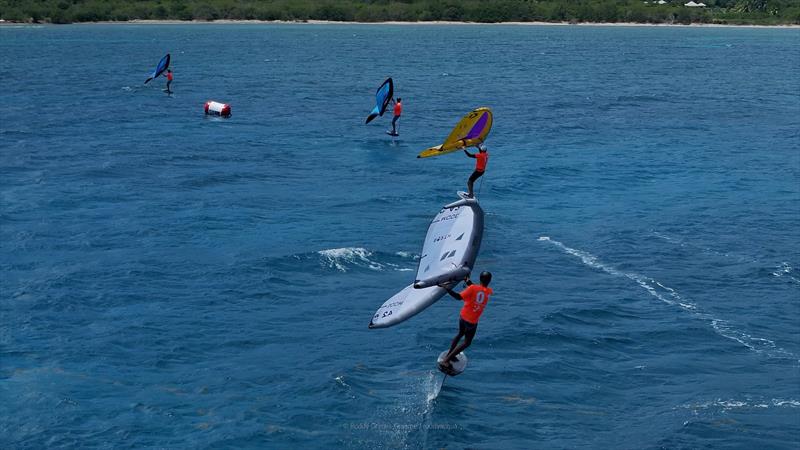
471	130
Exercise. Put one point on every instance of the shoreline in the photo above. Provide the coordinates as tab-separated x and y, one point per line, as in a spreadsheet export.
331	22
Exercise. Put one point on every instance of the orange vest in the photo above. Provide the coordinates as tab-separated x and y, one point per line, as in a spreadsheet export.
482	158
475	299
398	108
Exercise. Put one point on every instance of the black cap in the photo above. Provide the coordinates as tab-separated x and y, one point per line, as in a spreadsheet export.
486	278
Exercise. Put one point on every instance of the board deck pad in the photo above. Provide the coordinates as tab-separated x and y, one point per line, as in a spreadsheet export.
458	366
389	132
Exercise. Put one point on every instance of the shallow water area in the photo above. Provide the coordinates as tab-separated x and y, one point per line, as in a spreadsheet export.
170	279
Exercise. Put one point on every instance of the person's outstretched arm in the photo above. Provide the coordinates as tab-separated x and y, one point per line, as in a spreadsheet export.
454	294
471	155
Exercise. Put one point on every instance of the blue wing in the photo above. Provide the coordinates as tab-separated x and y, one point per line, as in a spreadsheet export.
383	96
160	68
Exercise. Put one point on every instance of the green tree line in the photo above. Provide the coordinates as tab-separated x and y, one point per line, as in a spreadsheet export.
768	12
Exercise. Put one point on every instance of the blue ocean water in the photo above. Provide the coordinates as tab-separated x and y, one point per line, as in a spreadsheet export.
177	281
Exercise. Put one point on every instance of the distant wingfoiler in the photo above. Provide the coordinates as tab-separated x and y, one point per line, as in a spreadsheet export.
160	68
448	255
471	130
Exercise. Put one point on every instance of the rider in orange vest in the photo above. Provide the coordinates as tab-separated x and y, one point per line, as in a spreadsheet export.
169	79
475	298
398	110
482	158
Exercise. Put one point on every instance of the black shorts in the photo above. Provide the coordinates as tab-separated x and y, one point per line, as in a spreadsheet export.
467	328
475	175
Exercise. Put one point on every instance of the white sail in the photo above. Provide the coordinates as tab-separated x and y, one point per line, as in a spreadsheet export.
448	255
449	252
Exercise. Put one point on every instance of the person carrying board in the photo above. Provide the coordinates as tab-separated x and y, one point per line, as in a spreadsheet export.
475	298
482	158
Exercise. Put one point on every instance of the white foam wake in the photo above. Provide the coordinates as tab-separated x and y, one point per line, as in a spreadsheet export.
653	287
338	258
671	297
342	258
748	403
407	421
782	270
785	270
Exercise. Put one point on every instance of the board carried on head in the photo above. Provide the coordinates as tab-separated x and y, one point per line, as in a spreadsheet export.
457	367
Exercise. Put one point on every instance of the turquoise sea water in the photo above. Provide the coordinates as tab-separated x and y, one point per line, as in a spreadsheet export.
175	281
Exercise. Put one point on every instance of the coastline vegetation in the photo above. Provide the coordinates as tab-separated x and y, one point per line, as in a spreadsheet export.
738	12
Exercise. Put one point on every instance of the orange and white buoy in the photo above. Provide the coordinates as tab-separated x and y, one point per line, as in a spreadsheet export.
218	109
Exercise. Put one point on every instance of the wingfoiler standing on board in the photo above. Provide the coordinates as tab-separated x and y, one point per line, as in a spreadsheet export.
398	111
475	297
161	67
384	96
169	81
448	255
470	131
481	159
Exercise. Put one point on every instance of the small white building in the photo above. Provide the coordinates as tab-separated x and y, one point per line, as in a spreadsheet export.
692	4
